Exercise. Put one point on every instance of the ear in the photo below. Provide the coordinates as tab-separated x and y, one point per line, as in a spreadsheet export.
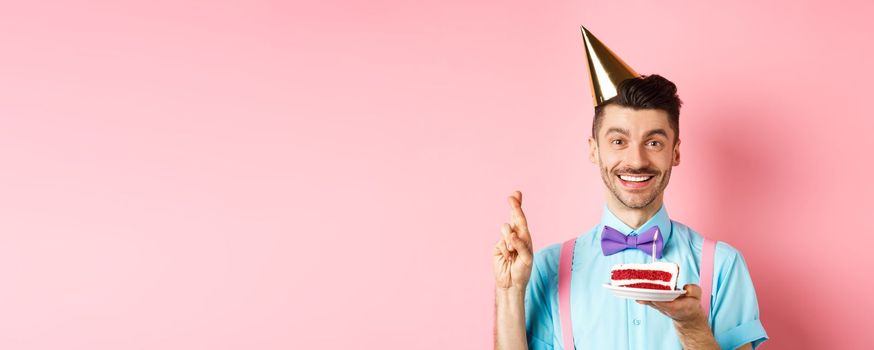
593	150
677	153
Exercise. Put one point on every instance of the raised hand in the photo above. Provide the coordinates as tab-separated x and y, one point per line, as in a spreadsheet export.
513	257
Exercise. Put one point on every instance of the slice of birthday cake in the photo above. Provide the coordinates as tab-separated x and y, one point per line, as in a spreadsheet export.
656	275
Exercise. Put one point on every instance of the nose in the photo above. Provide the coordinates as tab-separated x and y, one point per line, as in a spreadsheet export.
637	158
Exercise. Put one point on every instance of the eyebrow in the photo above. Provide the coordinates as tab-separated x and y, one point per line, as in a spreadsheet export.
647	135
656	132
619	130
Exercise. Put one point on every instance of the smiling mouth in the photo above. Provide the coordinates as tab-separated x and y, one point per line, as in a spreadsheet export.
635	181
631	178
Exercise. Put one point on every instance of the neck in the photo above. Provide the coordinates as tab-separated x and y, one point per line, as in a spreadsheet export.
632	217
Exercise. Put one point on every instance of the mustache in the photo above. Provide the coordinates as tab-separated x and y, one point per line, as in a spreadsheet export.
638	171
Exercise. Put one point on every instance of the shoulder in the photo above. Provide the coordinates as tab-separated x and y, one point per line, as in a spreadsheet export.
546	260
727	251
729	262
724	250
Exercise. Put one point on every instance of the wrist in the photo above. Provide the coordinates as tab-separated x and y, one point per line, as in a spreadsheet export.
695	333
696	323
513	292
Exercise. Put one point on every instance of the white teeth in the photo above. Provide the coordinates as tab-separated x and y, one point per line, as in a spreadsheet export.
634	178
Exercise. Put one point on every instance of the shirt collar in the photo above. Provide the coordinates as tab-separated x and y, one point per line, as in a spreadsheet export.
660	218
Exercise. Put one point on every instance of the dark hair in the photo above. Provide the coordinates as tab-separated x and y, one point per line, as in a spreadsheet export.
644	92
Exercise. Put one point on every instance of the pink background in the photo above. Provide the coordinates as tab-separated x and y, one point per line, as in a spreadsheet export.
242	175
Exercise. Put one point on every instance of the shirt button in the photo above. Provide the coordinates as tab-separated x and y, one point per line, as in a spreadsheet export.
636	322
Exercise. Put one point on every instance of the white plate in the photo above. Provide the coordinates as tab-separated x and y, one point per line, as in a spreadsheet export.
645	294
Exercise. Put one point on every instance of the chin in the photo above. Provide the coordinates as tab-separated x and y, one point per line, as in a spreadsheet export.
637	202
640	205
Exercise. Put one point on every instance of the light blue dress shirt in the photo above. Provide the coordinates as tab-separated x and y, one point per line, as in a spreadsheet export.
604	321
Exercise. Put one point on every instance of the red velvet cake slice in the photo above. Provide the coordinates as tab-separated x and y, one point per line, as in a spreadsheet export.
657	275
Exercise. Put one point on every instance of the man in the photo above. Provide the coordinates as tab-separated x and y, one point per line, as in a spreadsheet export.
635	143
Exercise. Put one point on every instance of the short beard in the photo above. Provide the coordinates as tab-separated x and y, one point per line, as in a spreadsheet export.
611	185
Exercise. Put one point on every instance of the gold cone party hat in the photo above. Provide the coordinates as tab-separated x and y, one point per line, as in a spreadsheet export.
605	68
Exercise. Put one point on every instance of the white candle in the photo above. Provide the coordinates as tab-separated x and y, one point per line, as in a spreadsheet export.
654	240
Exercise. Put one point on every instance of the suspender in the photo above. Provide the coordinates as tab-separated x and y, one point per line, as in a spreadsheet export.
707	253
565	260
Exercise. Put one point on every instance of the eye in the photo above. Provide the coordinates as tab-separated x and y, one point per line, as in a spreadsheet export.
616	142
654	143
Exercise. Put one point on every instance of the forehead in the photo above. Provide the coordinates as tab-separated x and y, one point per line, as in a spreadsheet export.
637	122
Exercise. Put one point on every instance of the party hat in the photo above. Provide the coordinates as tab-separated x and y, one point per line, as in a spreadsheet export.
606	69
